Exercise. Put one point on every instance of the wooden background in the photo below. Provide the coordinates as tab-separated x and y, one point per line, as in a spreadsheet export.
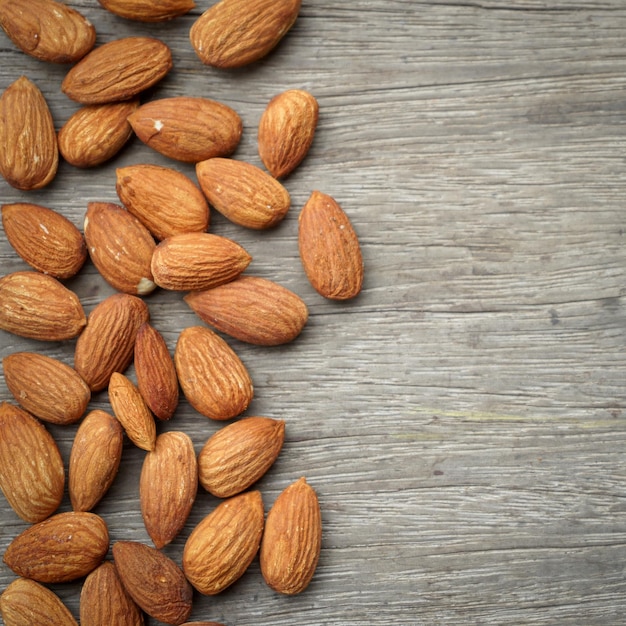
462	420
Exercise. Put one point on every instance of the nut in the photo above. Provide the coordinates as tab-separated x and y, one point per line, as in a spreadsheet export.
148	10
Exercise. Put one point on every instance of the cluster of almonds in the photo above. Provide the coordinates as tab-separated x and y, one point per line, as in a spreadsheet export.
156	238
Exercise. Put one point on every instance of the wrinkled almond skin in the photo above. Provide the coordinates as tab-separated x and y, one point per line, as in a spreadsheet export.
213	378
118	70
62	548
32	477
188	129
45	239
37	306
329	248
222	546
233	33
153	581
239	454
30	154
148	10
94	459
46	387
252	309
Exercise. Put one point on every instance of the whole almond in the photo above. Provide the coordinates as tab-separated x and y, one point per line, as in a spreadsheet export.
26	602
96	133
286	131
222	546
243	193
47	30
188	129
239	454
213	378
94	459
45	239
108	342
32	477
154	581
232	33
252	309
329	248
292	539
148	10
118	70
197	261
37	306
62	548
46	387
30	155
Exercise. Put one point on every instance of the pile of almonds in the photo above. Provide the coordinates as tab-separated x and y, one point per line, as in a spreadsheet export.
156	238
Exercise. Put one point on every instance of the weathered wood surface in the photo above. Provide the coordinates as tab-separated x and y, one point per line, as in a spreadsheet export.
463	419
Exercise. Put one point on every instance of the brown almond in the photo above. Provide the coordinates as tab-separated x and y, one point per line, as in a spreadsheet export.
46	387
148	10
118	70
62	548
239	454
243	193
252	309
222	546
32	477
232	33
188	129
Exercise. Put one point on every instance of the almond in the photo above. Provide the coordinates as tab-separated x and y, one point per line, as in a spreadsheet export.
148	10
222	546
292	539
188	129
62	548
94	459
329	248
213	378
108	342
286	131
30	155
252	309
96	133
46	387
243	193
37	306
118	70
47	30
197	261
45	239
232	33
32	477
153	581
239	454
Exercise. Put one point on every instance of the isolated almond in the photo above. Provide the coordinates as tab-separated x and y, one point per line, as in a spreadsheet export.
30	155
329	248
197	261
148	10
37	306
232	33
46	387
94	459
239	454
153	581
118	70
32	477
286	130
62	548
292	539
243	193
188	129
45	239
96	133
108	342
222	546
47	30
213	378
252	309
